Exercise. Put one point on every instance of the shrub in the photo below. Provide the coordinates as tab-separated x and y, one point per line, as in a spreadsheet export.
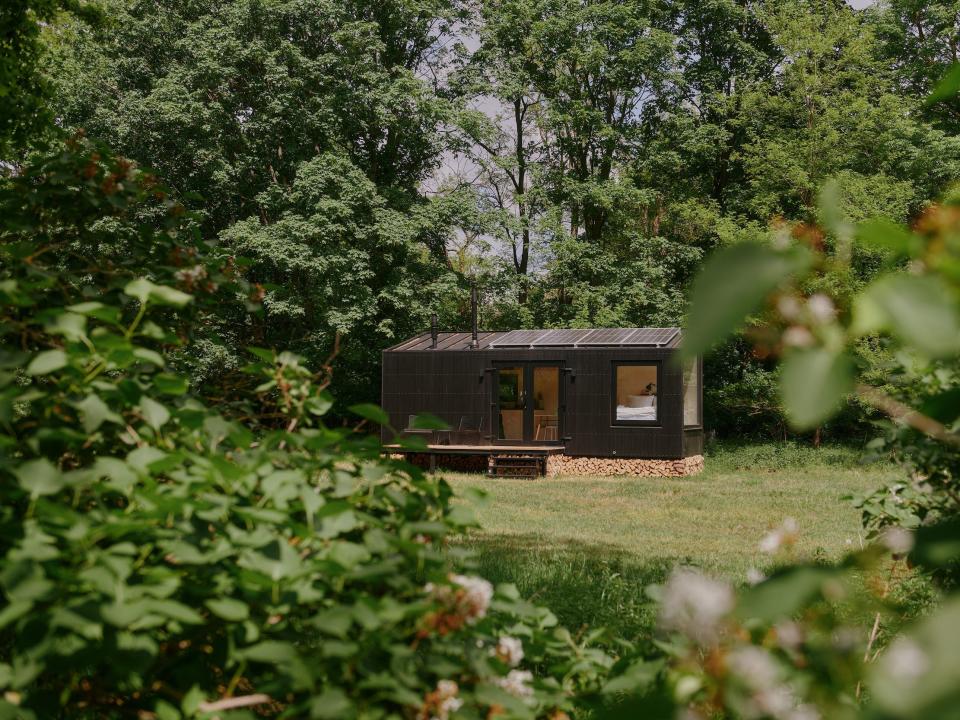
162	559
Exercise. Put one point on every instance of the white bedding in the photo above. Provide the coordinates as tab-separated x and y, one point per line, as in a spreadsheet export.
636	413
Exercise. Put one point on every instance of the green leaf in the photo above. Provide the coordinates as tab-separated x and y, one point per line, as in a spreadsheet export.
40	477
636	678
270	651
944	406
144	290
170	384
331	704
426	421
192	700
47	362
782	596
262	353
918	675
228	609
371	412
277	560
150	356
166	711
24	581
176	611
319	404
94	412
348	555
155	414
812	383
947	87
14	611
336	621
884	233
732	284
937	546
919	310
71	325
121	476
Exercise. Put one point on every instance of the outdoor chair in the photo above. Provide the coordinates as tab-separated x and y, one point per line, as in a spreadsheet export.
469	432
427	435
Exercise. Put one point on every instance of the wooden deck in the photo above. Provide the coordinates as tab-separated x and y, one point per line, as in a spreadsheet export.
501	460
437	449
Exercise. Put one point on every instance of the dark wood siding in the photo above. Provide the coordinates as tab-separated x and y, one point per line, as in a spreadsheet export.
457	384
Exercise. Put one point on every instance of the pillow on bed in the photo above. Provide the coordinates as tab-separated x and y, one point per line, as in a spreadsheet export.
629	413
637	401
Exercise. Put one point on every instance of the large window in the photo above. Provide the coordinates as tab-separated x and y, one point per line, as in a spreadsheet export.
691	393
635	394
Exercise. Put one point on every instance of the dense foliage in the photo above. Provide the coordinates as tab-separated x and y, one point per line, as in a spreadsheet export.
161	557
577	160
167	554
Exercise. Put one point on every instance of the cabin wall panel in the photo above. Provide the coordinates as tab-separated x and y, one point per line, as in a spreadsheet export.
455	384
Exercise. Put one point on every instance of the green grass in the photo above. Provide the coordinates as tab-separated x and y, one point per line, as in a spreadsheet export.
587	547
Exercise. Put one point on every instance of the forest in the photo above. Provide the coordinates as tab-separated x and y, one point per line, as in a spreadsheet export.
216	214
576	161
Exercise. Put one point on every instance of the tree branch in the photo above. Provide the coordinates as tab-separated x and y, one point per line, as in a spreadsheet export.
905	414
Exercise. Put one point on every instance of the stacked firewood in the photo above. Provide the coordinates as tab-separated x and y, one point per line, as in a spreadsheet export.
456	463
567	465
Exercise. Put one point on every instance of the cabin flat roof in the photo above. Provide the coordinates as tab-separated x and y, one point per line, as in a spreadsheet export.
532	339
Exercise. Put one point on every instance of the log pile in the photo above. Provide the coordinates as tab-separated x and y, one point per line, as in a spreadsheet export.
567	465
455	463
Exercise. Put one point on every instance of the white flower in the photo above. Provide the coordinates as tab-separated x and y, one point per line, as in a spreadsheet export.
755	577
755	667
789	635
775	702
469	601
515	683
786	534
905	659
509	650
898	540
803	712
443	701
821	308
789	307
477	595
694	605
798	336
845	639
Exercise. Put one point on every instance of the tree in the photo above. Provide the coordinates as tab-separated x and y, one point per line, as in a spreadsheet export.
241	106
920	41
25	115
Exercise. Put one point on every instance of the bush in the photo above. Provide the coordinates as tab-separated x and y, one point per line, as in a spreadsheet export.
161	559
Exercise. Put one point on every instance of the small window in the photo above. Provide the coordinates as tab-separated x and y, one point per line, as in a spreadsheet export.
691	393
635	394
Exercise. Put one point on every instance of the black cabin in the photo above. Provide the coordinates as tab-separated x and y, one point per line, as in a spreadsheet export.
604	393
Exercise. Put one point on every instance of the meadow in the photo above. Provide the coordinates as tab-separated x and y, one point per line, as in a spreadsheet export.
588	547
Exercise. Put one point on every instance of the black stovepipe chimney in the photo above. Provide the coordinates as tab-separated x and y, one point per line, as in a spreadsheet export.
474	341
434	330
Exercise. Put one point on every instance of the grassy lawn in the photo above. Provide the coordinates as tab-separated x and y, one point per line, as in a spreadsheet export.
586	546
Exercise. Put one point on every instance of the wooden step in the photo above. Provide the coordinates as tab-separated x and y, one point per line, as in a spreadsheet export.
516	466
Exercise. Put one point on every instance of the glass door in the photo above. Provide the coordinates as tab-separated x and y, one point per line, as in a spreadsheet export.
511	402
528	403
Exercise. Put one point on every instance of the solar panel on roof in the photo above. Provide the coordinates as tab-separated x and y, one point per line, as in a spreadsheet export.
517	338
559	337
607	336
648	336
618	337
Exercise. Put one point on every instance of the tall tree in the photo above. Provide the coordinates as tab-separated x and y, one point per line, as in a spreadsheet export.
25	114
303	131
921	40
